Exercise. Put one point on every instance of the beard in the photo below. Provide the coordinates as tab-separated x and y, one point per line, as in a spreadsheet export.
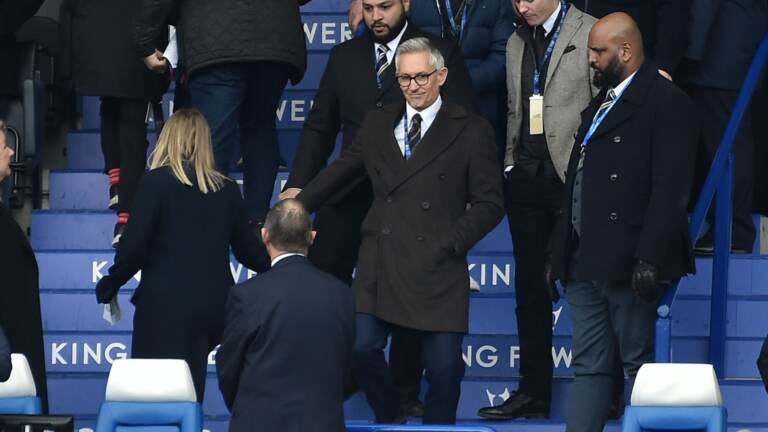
391	34
610	76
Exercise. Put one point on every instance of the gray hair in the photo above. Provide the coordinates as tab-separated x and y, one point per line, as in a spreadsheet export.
420	44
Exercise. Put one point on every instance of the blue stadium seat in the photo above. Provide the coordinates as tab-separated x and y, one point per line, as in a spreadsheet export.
18	395
150	395
372	427
674	397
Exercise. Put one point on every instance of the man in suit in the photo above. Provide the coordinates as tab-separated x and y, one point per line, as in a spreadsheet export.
624	231
437	191
663	25
5	357
547	76
724	38
359	77
287	331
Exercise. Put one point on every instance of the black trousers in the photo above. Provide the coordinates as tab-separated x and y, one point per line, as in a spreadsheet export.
335	251
533	205
175	339
714	108
124	144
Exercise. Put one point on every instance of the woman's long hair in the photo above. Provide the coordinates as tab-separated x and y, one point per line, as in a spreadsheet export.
186	142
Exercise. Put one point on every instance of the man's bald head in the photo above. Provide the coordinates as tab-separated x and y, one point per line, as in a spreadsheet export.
288	228
615	49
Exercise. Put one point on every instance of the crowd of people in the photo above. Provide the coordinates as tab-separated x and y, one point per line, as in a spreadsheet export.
580	121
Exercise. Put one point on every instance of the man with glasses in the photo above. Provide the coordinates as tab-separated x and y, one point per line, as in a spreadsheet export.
360	77
437	192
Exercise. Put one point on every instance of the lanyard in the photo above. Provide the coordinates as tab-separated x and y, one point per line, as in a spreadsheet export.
456	29
599	119
550	49
406	141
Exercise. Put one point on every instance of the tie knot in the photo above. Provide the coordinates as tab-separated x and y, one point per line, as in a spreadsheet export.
611	95
539	34
416	119
382	49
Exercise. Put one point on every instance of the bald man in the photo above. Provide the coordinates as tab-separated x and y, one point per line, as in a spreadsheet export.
624	232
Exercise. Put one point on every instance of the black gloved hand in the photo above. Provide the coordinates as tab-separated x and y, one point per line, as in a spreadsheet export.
549	281
105	292
645	281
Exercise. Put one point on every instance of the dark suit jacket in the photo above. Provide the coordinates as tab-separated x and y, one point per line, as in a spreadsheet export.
412	266
288	340
348	91
20	299
663	23
637	177
180	239
5	357
724	37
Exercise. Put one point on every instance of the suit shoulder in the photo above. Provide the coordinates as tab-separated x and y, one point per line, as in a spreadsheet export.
350	47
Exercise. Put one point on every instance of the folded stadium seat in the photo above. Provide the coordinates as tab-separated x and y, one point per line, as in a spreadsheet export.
150	395
18	395
372	427
676	396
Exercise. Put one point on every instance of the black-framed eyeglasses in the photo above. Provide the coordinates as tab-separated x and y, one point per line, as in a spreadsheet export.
421	79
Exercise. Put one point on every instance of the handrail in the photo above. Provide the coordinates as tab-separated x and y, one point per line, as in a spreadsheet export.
720	181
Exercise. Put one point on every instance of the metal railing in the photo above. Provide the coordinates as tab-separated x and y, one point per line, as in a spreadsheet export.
719	185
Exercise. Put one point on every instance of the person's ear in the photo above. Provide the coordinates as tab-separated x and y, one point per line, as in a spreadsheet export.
442	75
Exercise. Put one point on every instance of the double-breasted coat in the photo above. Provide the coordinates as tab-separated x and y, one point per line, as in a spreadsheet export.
427	212
638	169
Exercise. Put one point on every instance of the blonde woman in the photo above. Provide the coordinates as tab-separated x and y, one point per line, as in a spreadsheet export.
185	218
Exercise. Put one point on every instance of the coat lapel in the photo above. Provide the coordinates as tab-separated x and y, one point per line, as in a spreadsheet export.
571	25
439	137
632	97
389	150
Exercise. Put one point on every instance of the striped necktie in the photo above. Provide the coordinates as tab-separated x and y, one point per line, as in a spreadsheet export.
381	63
414	135
606	105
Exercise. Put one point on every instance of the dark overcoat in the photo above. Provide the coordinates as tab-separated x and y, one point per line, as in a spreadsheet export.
20	299
637	177
427	212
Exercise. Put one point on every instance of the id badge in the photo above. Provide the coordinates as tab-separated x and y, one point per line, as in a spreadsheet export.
536	114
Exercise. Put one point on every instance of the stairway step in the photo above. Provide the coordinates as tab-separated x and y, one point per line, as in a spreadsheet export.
89	190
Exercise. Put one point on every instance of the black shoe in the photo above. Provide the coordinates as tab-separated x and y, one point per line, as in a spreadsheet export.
119	228
413	408
518	405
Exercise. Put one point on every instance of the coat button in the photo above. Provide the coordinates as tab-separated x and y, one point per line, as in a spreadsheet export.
425	205
420	238
614	177
613	216
379	104
385	231
441	176
389	199
617	139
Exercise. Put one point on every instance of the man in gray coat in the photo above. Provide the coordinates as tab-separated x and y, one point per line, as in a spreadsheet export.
549	84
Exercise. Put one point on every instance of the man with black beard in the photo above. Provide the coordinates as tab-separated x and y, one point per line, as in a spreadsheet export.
624	233
359	77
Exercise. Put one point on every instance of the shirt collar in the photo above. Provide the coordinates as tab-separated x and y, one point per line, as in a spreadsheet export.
394	43
284	256
619	89
428	114
549	24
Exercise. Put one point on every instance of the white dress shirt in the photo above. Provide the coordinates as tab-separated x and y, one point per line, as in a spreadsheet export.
551	21
284	256
392	45
428	115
